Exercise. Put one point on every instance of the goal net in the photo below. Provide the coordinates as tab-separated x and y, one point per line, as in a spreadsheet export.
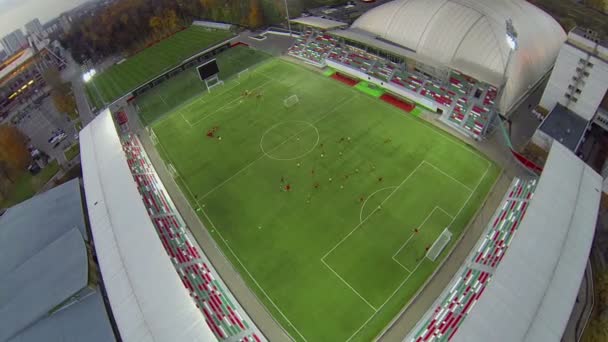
291	101
213	82
439	244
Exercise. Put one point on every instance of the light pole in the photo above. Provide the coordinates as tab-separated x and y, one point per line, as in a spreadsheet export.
87	77
511	37
287	17
512	41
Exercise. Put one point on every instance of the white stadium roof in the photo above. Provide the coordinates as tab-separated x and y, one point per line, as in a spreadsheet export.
148	300
318	22
470	36
534	288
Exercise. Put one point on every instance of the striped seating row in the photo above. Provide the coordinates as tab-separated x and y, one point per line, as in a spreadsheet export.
460	300
466	100
457	301
206	291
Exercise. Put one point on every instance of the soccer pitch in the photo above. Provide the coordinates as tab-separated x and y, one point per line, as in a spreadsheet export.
122	78
326	207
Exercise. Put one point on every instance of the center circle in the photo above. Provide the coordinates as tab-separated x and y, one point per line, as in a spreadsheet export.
289	140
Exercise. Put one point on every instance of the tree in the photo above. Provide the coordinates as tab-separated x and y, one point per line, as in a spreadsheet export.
13	149
156	25
256	16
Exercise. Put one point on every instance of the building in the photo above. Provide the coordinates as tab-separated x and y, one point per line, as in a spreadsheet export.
51	288
465	60
14	42
580	78
34	27
21	76
576	95
65	21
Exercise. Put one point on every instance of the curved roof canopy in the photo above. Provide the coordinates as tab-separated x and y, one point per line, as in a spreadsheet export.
148	300
471	36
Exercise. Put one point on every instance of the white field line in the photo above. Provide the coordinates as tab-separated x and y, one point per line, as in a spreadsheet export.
350	287
236	257
367	199
276	147
246	270
452	178
412	234
407	278
224	106
376	209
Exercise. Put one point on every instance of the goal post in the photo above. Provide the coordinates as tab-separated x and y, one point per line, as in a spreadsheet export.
439	244
291	101
243	73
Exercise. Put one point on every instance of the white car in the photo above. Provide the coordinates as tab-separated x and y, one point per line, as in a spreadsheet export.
58	138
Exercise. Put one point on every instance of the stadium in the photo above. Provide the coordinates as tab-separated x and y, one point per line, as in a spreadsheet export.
343	191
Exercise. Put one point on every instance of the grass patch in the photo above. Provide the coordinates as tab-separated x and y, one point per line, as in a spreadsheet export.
417	111
27	185
122	78
187	85
72	151
368	89
317	205
328	72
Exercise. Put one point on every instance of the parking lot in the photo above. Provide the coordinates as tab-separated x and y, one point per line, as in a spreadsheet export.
41	123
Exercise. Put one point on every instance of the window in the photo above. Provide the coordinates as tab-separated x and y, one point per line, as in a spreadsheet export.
589	65
567	95
586	74
574	99
574	78
578	91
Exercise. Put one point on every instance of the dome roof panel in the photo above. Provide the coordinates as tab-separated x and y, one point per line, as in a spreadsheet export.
470	36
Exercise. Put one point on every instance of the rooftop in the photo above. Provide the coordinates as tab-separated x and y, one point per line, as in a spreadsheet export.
565	126
13	62
43	266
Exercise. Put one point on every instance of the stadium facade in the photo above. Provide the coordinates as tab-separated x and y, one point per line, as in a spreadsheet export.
452	57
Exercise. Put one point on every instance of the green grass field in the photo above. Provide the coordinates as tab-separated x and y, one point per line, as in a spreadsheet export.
336	256
185	86
122	78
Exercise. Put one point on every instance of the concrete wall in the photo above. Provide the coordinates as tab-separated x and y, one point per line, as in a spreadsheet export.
542	140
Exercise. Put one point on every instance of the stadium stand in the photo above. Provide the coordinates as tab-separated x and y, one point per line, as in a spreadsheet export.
200	280
466	103
464	292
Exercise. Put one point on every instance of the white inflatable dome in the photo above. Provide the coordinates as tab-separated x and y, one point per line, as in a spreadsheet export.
470	36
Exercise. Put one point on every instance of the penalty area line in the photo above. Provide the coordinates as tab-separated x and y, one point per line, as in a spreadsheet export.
408	277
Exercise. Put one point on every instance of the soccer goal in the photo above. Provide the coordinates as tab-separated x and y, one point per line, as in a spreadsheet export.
291	101
213	82
439	244
243	73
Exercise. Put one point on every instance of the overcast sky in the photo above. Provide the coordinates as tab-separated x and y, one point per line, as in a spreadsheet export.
15	13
